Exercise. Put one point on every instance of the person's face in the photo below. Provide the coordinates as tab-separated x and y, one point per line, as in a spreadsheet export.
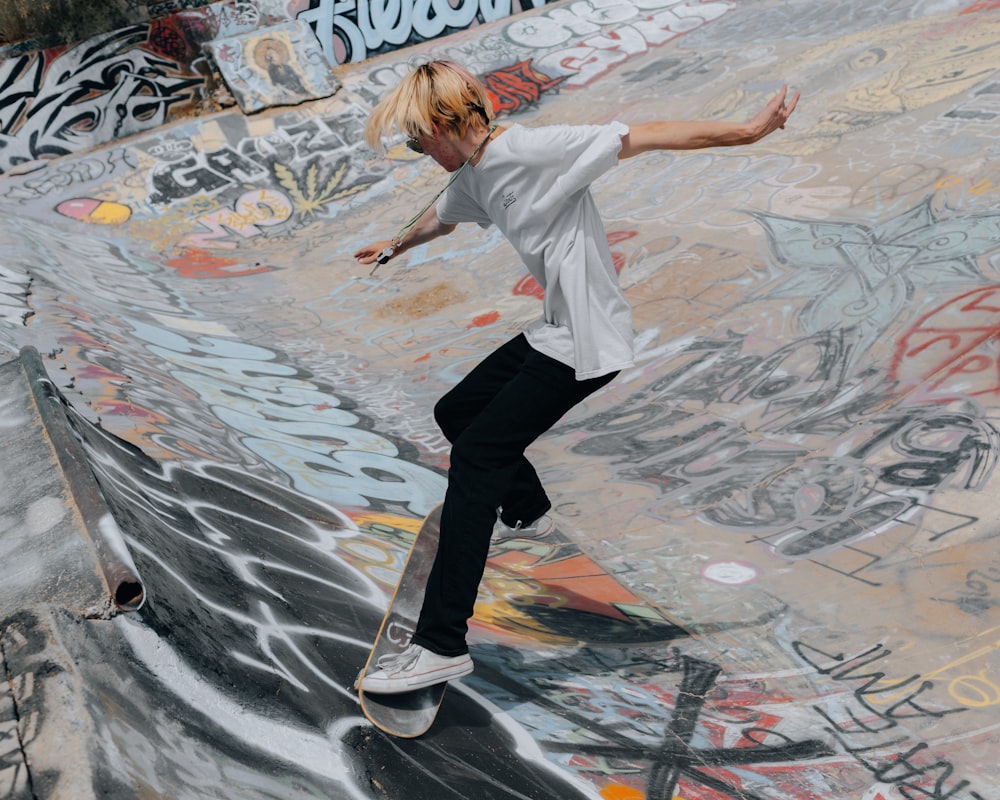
441	146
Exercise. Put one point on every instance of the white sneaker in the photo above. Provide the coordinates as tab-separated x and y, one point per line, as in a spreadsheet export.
415	668
536	530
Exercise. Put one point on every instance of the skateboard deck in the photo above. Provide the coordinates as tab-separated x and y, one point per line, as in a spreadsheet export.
406	714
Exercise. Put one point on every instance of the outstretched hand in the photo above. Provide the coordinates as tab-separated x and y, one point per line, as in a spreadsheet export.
774	115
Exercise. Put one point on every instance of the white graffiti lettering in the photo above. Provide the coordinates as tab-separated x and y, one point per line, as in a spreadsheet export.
592	52
295	425
353	30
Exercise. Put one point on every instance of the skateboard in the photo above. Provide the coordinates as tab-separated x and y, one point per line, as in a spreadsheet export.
406	714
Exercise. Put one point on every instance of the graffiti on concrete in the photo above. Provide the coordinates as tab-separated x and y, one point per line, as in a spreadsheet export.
295	424
29	673
355	30
871	722
15	289
884	476
861	277
60	177
280	588
952	348
303	171
105	89
583	41
517	87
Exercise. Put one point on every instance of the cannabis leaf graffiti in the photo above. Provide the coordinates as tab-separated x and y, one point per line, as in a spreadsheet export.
862	277
310	192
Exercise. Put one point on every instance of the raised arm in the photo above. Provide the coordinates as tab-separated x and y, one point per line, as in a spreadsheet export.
427	227
706	133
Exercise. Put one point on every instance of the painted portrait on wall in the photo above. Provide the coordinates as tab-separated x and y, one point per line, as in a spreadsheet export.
274	66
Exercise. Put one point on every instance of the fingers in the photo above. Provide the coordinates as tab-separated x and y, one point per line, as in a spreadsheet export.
786	103
368	254
790	105
784	106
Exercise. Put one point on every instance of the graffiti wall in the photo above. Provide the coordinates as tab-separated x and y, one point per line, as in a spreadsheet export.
774	570
194	59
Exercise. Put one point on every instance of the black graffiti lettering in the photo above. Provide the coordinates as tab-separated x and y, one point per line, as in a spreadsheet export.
870	678
721	472
307	137
911	792
183	179
201	173
235	167
858	730
978	597
801	649
992	574
859	523
900	770
887	428
858	751
770	483
740	496
922	473
919	711
112	90
804	507
937	447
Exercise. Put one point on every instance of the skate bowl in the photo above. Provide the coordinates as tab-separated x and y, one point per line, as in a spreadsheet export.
775	574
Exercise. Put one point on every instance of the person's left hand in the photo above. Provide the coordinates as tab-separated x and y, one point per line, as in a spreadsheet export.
774	115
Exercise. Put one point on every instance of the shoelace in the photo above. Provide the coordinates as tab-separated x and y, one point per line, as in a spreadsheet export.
398	662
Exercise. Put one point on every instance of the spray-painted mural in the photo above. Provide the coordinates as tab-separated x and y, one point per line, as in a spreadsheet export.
774	573
257	53
108	88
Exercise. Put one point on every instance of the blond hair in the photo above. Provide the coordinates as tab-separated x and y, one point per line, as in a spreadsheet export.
439	94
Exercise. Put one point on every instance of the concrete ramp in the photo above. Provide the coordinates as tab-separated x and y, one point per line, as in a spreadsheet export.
61	545
65	568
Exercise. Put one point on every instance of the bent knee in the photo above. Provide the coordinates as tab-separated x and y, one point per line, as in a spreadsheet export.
452	415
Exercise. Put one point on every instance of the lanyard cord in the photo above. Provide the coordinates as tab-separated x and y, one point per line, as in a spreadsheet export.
397	240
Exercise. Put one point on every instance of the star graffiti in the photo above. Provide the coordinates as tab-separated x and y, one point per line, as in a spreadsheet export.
863	277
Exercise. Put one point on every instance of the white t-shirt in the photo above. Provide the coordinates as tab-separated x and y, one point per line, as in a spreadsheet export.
534	185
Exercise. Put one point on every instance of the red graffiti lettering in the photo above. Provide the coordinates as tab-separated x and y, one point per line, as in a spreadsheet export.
516	86
953	349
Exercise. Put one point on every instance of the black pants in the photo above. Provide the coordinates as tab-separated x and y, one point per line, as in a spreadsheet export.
514	396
